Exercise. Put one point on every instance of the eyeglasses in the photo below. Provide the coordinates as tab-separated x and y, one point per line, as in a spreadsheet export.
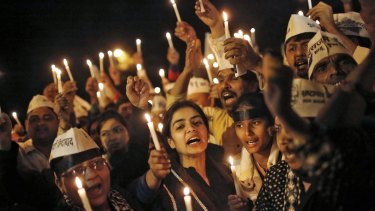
115	130
80	171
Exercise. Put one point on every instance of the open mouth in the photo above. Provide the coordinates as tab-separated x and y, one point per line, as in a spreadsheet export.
301	64
94	190
251	142
193	140
227	95
289	155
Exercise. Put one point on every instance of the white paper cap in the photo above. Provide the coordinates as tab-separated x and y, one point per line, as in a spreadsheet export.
351	24
224	64
159	103
39	101
299	24
309	97
322	45
71	142
198	85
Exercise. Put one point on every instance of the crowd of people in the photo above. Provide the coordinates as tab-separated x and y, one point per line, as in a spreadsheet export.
289	130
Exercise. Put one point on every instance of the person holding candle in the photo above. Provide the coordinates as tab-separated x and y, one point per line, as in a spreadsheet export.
252	123
75	155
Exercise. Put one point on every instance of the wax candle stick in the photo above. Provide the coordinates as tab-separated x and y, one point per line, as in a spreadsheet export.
138	43
162	73
89	63
215	65
252	34
14	114
154	137
82	194
216	81
202	6
160	127
157	90
68	69
169	38
54	74
208	69
233	169
300	13
101	63
226	25
210	56
310	4
248	39
187	199
176	10
59	83
110	57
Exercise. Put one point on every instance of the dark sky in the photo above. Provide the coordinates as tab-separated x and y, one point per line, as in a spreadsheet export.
35	33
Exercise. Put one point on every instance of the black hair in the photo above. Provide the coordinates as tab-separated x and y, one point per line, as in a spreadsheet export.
110	114
175	107
303	36
256	101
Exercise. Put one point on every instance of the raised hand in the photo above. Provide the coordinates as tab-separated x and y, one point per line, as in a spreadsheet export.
173	56
5	132
193	59
185	32
239	52
138	92
323	12
211	17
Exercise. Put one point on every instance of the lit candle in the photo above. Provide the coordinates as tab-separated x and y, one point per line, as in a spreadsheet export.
101	63
82	194
160	127
310	4
68	69
118	53
162	73
157	90
216	81
139	67
226	25
59	83
89	63
14	114
150	125
210	56
138	42
207	65
169	38
240	34
98	94
318	22
233	169
187	199
202	6
252	31
101	86
176	10
111	62
300	13
54	74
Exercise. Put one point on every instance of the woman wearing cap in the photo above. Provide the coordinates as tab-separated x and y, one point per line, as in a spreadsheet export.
195	163
75	155
252	123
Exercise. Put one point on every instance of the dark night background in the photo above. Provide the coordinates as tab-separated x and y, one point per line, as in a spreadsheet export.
35	34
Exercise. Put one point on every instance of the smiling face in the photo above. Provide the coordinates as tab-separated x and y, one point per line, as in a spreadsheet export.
295	53
189	134
230	88
96	181
114	136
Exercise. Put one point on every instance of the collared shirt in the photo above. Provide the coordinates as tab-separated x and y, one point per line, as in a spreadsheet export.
30	158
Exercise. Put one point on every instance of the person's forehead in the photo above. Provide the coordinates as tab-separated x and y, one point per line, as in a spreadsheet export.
184	113
109	123
41	111
295	41
225	72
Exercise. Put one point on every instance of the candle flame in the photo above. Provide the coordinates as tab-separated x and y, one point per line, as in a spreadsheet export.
157	90
215	65
53	67
78	183
173	2
186	191
148	117
210	56
118	52
252	30
162	73
58	72
236	35
101	55
138	41
240	32
139	67
225	16
205	62
109	53
89	63
247	38
318	22
160	127
14	114
231	162
216	81
150	101
168	35
65	62
300	13
101	86
98	94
